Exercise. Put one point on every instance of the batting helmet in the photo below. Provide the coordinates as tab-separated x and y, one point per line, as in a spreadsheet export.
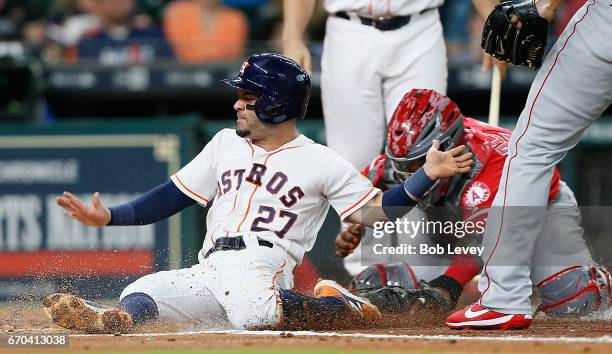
282	87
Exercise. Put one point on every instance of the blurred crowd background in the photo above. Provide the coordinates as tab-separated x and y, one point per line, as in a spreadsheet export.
38	38
119	32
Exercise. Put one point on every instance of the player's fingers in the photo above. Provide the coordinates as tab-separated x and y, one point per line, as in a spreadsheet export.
76	202
353	228
349	238
465	164
65	203
435	144
64	200
356	229
95	200
71	215
515	20
456	150
343	244
463	169
464	157
486	61
342	253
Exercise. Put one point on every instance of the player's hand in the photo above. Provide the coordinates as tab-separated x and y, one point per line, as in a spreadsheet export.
488	61
443	164
347	240
546	9
92	215
297	50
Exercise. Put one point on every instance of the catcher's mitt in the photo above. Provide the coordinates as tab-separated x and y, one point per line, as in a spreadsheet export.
396	300
514	32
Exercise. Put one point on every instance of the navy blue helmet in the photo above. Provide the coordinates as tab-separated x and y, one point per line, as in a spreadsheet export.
282	87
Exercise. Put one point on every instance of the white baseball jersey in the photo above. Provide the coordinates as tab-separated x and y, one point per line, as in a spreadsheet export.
282	195
381	7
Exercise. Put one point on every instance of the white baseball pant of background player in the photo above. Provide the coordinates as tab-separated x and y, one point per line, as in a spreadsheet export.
366	71
571	90
253	188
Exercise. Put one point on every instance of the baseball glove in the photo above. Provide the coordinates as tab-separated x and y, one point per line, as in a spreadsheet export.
514	32
395	300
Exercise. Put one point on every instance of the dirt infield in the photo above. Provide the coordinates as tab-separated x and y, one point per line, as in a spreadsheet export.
414	336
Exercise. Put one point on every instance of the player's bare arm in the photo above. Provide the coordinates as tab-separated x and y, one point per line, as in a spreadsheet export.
296	15
438	165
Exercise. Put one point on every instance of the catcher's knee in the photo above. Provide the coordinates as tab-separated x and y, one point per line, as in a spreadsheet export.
576	291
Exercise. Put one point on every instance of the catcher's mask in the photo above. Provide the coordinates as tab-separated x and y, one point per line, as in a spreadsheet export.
422	116
379	275
281	85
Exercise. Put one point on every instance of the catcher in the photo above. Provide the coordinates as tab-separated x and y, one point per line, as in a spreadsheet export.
569	282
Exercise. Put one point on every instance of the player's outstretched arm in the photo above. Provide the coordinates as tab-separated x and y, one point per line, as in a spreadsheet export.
93	214
155	205
397	201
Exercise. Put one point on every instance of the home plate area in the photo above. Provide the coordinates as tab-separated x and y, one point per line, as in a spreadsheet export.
418	335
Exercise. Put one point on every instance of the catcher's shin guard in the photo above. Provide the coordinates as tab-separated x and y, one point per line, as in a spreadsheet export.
576	292
71	312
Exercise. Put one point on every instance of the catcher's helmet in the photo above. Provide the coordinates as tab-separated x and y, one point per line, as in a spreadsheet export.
282	87
377	276
421	116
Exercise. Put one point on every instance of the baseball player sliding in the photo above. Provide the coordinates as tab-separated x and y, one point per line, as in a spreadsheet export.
271	189
568	281
571	90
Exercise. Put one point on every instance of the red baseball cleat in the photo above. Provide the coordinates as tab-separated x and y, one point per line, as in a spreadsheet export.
477	317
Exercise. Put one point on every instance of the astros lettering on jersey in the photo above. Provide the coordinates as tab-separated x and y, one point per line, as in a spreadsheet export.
272	193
